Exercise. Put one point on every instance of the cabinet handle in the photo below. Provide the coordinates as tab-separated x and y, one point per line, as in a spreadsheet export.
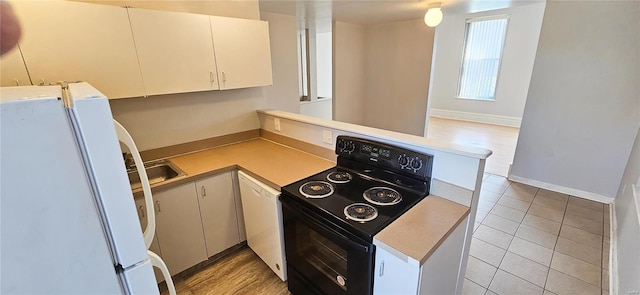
17	82
158	205
204	192
224	77
211	77
381	273
141	211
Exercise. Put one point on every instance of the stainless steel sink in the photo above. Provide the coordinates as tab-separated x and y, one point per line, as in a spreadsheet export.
157	171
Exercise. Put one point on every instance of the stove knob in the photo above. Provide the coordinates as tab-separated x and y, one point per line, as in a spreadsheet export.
403	160
341	280
350	147
342	145
416	164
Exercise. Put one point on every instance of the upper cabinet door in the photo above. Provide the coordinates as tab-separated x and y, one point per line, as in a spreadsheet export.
242	52
14	73
175	51
72	41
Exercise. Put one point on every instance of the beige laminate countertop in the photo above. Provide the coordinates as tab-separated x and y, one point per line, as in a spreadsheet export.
272	163
420	231
417	233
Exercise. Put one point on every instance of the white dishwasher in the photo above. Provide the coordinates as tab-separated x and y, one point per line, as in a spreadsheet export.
263	222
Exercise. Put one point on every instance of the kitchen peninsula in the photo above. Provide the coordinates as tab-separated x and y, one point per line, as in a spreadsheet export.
433	231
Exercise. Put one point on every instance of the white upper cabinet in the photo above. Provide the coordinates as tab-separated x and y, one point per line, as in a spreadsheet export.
242	52
72	41
14	73
175	51
136	52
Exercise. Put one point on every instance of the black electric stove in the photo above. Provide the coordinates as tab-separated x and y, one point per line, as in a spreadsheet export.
330	218
332	207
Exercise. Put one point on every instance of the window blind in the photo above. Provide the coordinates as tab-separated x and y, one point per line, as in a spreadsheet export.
481	61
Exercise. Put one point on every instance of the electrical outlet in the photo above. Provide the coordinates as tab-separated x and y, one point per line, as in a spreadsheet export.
327	137
276	123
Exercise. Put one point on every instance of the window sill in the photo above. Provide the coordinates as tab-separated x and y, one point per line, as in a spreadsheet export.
476	99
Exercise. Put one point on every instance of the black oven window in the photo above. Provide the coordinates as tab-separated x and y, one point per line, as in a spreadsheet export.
326	257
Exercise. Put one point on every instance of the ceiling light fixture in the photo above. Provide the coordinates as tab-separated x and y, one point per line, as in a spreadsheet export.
433	17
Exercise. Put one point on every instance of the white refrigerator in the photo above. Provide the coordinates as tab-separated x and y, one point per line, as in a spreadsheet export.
68	222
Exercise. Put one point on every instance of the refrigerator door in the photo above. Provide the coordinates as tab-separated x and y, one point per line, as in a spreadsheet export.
95	126
137	280
92	119
52	239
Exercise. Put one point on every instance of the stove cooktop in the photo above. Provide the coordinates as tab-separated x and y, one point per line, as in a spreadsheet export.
333	207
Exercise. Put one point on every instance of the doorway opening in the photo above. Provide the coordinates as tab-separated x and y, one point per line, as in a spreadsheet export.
480	79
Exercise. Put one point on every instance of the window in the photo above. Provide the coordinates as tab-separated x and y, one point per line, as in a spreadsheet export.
481	60
315	64
303	61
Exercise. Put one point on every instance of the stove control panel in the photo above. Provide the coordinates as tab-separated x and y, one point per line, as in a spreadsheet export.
410	163
386	156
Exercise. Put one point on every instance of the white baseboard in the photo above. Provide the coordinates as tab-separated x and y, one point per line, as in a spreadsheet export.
476	117
562	189
613	252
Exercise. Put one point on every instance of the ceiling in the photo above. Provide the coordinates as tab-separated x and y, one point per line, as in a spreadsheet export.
377	11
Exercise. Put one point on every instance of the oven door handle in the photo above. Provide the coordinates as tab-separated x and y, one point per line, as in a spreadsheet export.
334	235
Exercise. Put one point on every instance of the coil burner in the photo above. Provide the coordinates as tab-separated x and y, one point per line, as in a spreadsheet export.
316	189
382	196
360	212
339	177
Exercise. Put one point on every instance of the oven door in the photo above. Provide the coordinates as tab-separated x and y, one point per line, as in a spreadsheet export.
322	259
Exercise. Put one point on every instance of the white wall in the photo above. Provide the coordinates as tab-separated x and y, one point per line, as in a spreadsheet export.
398	65
349	72
514	75
164	120
626	234
380	75
583	106
284	94
320	108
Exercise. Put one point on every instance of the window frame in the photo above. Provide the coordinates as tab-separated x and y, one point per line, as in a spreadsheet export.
464	49
303	65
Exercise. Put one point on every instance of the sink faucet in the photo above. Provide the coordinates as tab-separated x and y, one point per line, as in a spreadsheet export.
129	163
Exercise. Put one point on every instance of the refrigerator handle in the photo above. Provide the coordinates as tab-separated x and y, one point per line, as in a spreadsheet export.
125	138
156	261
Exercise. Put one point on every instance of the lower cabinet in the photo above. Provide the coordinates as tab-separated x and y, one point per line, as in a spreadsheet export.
393	275
194	221
155	246
438	275
218	212
178	227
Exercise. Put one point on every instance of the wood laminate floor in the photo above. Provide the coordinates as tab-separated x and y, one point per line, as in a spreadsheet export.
241	272
500	139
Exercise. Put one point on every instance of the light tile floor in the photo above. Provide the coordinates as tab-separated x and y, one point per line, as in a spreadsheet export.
534	241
